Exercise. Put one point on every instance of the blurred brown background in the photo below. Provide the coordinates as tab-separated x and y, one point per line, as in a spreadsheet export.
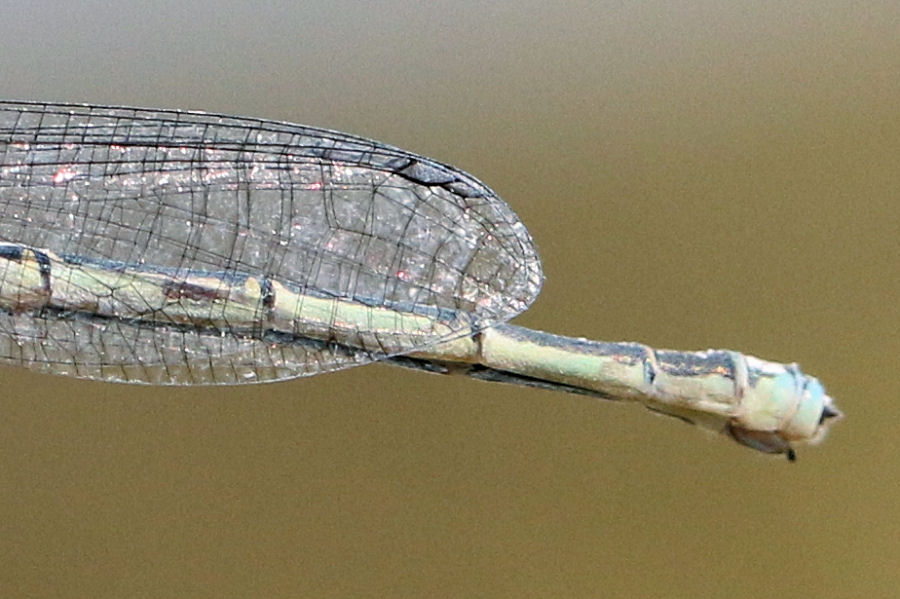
696	174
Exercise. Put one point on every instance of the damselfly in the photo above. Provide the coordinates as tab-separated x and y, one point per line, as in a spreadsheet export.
184	248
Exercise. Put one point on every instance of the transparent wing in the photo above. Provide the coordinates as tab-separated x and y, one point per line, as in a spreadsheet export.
319	212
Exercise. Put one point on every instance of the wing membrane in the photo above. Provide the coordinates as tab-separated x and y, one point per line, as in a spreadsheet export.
320	212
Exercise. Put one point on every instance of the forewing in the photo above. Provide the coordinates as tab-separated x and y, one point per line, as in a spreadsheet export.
320	212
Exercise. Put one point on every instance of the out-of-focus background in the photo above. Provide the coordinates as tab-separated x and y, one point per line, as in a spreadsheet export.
696	174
